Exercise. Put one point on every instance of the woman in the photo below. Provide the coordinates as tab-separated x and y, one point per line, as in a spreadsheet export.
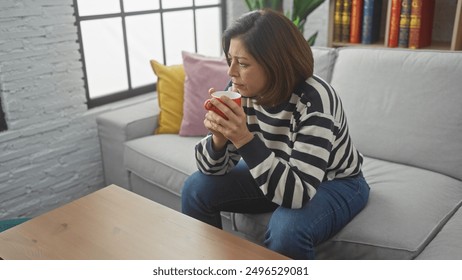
287	149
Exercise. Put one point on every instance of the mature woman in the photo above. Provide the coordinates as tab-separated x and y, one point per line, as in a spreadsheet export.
287	149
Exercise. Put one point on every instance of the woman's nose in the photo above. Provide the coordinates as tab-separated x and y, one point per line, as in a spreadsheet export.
232	70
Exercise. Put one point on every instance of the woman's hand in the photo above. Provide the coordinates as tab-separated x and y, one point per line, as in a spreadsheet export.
218	140
234	129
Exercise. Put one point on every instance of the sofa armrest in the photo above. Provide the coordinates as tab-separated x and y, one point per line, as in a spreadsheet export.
129	122
118	126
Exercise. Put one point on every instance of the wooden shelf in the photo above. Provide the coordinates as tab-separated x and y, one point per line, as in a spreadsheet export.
456	43
453	43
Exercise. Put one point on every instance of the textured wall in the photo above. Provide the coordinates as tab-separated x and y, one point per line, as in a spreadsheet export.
50	153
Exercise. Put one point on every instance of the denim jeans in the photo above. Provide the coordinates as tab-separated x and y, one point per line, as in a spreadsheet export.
291	232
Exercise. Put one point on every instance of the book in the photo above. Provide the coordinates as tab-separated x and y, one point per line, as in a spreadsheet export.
393	30
403	39
346	19
372	12
338	20
421	23
356	21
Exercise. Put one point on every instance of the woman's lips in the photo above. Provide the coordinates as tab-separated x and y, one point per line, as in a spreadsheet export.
237	86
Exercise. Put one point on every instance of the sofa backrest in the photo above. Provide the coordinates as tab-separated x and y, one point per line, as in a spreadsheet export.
324	59
404	106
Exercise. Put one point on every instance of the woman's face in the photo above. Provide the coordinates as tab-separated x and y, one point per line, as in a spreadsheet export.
246	73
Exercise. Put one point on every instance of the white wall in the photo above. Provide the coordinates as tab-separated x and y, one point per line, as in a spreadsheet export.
318	21
50	153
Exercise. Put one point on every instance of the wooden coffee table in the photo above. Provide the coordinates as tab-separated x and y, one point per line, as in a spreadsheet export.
114	223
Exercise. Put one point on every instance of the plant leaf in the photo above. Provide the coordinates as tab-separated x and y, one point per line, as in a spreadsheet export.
302	8
312	39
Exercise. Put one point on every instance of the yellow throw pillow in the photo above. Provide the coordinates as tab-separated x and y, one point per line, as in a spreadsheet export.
170	92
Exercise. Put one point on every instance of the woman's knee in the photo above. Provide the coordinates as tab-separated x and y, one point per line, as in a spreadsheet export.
286	235
192	189
193	184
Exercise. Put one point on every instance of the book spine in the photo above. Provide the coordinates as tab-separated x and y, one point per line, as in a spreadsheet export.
371	21
338	20
346	21
356	21
427	23
420	26
403	40
393	33
376	20
414	23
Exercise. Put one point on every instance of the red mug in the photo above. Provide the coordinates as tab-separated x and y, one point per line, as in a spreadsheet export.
236	97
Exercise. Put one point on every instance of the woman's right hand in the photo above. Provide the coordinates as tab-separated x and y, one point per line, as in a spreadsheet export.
218	140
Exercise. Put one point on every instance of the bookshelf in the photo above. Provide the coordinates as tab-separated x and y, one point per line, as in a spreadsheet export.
447	26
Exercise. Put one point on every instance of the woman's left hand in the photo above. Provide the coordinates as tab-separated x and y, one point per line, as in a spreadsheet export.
235	127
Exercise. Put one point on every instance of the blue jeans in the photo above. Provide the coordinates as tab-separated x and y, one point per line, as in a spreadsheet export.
291	232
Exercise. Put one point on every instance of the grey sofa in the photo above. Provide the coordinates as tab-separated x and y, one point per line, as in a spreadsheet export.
404	108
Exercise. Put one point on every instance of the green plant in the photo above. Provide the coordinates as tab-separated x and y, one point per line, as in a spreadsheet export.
301	9
260	4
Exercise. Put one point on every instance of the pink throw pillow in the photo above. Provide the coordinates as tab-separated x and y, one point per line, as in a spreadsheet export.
201	74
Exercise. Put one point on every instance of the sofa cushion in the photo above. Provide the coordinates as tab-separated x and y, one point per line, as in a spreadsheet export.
404	105
406	209
324	59
165	160
202	73
170	93
447	245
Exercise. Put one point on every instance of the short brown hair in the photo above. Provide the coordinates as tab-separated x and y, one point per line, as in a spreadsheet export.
278	46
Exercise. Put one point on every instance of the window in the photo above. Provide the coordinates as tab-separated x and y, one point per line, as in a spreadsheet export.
118	38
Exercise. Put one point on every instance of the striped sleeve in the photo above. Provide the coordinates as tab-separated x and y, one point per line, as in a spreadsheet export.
215	162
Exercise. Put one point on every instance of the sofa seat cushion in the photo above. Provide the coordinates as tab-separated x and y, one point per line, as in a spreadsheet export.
165	160
447	245
406	209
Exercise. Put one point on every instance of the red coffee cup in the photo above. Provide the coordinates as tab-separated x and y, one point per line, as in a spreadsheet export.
236	97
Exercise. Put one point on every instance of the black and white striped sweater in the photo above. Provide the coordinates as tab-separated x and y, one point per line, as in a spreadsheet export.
296	145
